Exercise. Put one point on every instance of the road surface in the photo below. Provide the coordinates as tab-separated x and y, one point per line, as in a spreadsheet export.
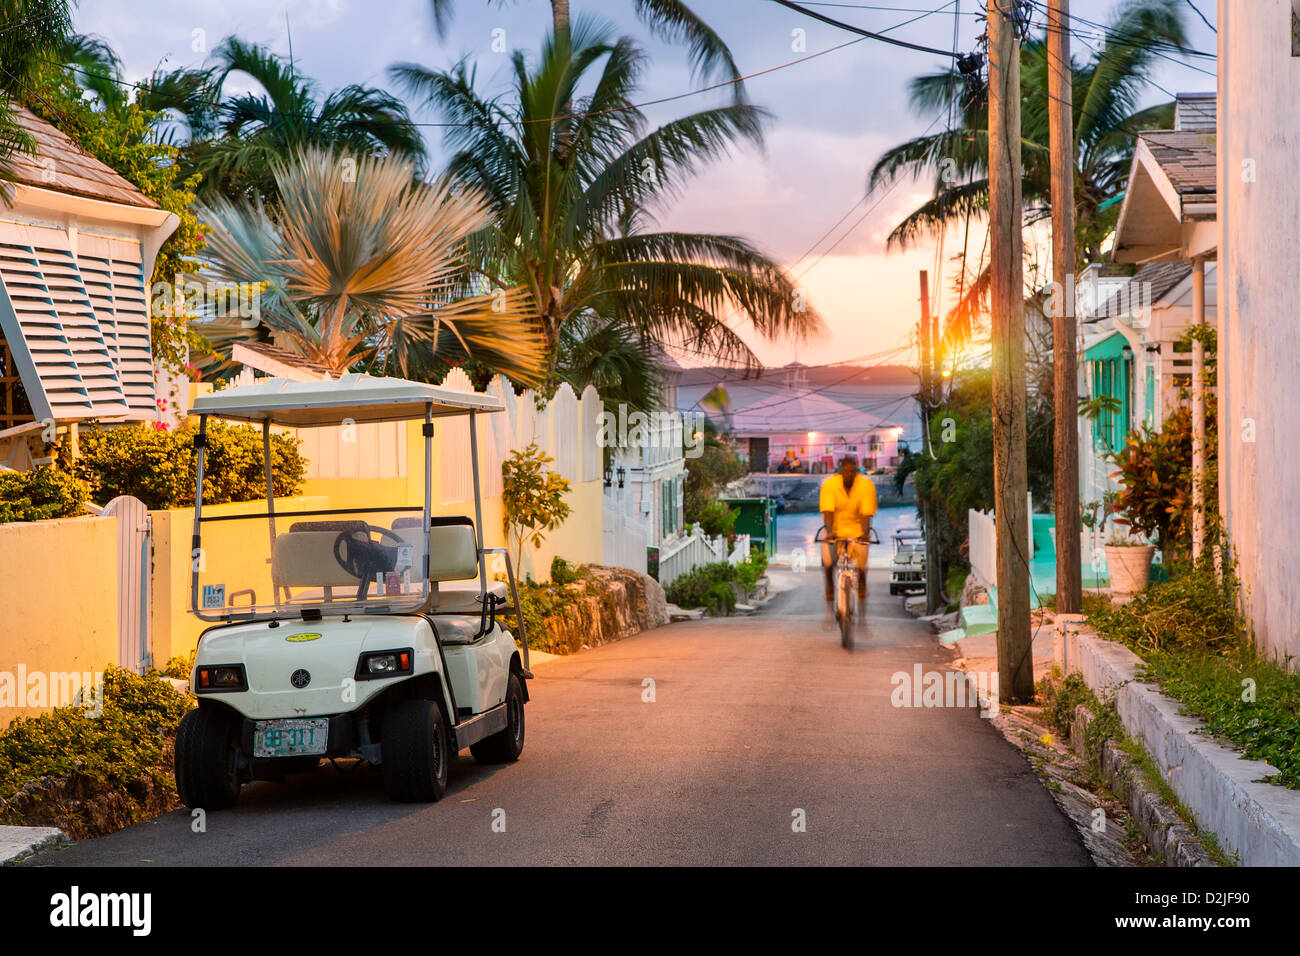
766	743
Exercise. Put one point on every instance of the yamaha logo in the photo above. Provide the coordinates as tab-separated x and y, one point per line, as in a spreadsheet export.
300	678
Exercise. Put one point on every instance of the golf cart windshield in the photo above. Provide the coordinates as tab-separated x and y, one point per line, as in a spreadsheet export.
335	561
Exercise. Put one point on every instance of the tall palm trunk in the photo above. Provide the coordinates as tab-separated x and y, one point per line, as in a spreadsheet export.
560	12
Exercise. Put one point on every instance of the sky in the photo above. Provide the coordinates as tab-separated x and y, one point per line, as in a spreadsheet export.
802	198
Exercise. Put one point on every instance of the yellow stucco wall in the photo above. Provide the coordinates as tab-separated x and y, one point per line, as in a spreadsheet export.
235	551
58	600
176	630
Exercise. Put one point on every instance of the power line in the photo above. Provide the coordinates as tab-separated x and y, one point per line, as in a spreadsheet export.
549	119
865	33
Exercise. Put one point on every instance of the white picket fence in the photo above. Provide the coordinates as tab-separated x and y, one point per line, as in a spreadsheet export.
625	537
689	552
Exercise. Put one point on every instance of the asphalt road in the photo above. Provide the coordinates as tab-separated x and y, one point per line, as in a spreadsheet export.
753	720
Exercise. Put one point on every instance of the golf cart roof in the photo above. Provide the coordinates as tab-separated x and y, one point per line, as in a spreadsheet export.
361	398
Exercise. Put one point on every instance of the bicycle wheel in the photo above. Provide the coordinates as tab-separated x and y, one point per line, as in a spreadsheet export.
846	611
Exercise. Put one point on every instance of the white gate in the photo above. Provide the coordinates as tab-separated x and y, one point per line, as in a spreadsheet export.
134	574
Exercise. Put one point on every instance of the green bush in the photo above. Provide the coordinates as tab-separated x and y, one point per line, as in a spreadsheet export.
708	586
158	466
716	519
1193	610
124	744
39	495
562	572
751	569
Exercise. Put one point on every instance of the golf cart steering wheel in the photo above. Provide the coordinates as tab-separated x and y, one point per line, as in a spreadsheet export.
363	558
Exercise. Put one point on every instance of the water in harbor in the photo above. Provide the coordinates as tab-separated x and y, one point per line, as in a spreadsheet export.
798	530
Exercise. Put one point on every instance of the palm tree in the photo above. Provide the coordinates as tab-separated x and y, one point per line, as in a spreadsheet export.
364	265
670	20
1107	89
571	192
234	141
33	32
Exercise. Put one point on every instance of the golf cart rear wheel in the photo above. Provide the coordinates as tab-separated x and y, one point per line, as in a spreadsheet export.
207	774
505	746
415	751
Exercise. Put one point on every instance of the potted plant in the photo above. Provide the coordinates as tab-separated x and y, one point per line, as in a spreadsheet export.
1153	500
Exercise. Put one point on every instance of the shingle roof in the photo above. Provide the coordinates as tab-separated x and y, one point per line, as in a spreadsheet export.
61	165
1187	158
1162	278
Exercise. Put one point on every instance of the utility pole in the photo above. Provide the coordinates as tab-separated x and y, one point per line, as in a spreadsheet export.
1006	242
1065	444
929	353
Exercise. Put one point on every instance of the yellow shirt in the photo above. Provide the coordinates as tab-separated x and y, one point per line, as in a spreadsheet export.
849	506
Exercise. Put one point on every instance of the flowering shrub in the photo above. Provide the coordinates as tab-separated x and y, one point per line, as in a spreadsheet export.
158	466
39	495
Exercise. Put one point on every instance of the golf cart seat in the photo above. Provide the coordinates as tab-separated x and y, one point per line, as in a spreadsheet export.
453	563
304	557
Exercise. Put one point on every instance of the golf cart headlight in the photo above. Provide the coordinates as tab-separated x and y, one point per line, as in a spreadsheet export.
377	664
221	677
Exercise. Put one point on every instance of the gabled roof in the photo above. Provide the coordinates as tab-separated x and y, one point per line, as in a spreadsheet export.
1171	202
61	165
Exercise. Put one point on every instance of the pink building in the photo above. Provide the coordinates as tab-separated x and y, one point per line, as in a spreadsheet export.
816	430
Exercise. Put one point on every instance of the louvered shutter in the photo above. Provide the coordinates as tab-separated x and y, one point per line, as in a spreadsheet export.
52	329
77	323
115	280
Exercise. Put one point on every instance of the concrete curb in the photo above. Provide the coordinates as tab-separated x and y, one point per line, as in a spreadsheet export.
1167	835
18	843
1257	821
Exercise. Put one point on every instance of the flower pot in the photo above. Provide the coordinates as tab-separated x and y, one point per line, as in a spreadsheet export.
1129	566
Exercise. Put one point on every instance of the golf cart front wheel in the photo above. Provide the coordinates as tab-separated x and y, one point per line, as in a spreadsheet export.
415	751
207	774
505	746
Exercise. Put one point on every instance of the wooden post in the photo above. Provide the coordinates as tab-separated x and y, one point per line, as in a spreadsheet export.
1198	412
929	349
1065	372
1006	242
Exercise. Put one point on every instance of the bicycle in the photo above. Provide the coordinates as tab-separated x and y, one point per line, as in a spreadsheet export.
845	577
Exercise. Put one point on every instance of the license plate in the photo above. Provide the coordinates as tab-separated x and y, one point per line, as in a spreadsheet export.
291	737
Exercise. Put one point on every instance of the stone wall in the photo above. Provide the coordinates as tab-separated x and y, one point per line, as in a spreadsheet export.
608	604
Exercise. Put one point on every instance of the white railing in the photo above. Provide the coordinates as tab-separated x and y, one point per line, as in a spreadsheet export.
689	552
983	548
741	551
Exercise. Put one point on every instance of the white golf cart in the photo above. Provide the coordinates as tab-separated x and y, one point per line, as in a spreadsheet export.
369	633
907	568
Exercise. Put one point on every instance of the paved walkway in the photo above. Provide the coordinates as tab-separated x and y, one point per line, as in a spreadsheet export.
757	723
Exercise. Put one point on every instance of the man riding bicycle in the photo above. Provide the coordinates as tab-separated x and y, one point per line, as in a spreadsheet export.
848	502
